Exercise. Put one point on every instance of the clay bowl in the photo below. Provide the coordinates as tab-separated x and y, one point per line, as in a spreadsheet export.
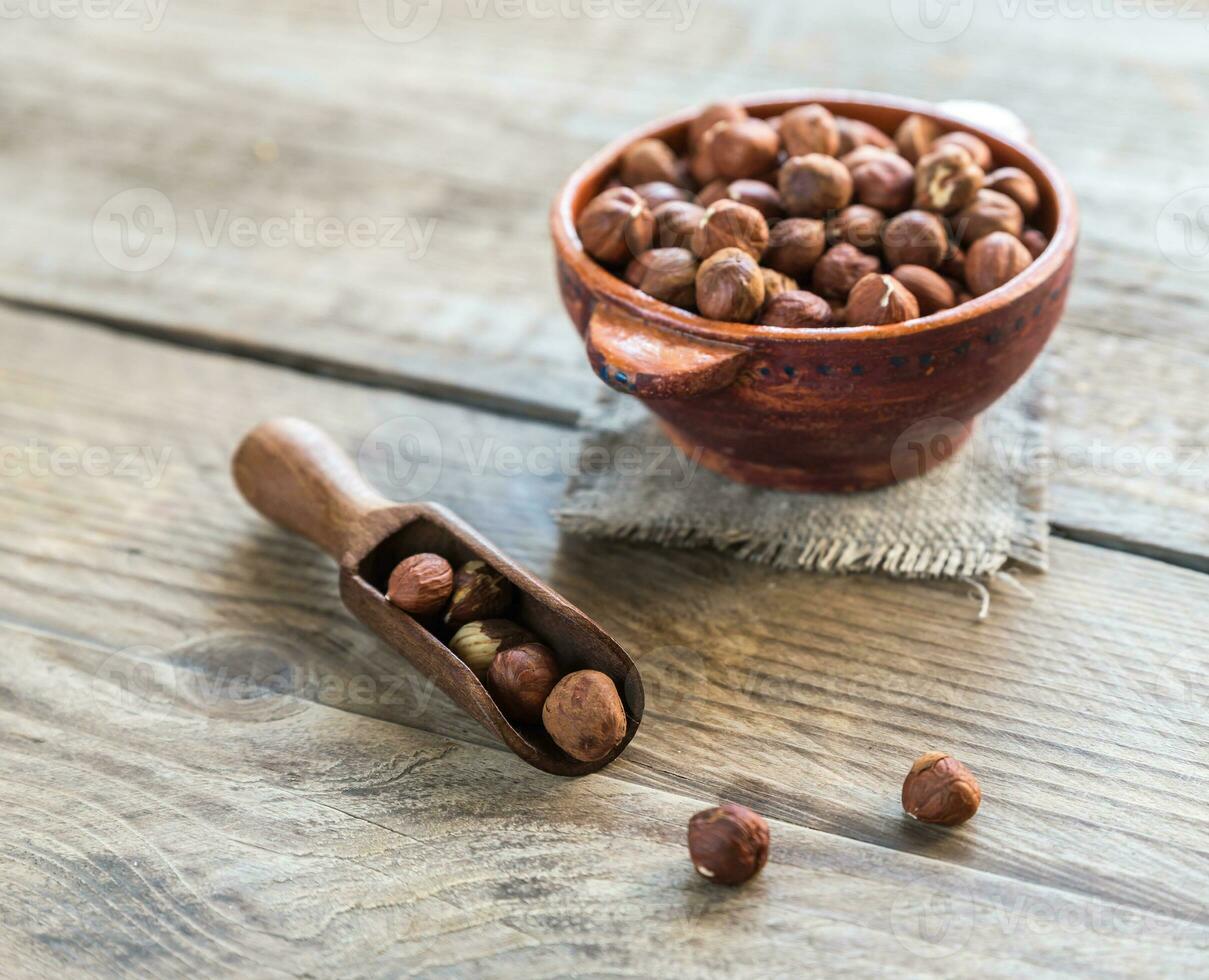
843	408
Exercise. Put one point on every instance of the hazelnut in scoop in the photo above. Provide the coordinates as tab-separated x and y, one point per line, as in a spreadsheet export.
584	715
421	585
520	679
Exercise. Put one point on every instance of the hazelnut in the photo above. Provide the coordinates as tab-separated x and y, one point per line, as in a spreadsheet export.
886	183
649	160
940	790
477	643
946	180
930	289
616	225
1017	185
809	129
713	192
857	132
795	245
857	225
954	264
863	154
710	116
915	238
989	211
730	286
584	715
729	224
479	592
744	148
668	274
878	300
520	679
659	192
675	223
701	165
979	152
759	195
420	585
728	844
915	136
994	260
797	308
1035	241
841	268
776	283
815	184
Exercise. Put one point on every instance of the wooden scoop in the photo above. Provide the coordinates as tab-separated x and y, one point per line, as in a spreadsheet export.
298	478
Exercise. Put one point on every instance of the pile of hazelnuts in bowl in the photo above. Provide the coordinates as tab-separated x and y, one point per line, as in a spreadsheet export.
469	608
808	219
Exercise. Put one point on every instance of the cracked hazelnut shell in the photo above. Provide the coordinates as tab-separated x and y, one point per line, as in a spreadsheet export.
479	592
478	643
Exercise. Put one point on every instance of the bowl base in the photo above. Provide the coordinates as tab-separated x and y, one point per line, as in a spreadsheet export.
845	475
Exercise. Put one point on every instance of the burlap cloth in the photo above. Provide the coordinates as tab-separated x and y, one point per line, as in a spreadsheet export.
981	513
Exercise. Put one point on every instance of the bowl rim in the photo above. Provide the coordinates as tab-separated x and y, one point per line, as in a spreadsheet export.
601	281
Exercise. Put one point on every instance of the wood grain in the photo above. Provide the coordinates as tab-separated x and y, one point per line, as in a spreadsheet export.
1082	710
316	115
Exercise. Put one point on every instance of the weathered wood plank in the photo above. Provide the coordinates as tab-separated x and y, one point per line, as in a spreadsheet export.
1083	709
152	832
317	115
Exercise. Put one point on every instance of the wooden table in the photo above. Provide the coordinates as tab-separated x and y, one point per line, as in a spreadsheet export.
206	767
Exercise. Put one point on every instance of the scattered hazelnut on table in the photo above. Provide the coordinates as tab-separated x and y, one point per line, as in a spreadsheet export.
814	184
1035	241
659	192
520	679
809	129
857	132
649	160
729	224
584	715
857	225
730	286
479	592
797	308
930	289
776	283
915	136
675	224
887	183
979	152
744	148
756	194
946	180
616	225
879	299
841	268
990	211
728	844
995	260
795	245
1017	185
420	585
668	274
940	790
915	238
478	643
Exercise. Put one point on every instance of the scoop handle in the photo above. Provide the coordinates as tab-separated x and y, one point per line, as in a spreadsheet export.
298	478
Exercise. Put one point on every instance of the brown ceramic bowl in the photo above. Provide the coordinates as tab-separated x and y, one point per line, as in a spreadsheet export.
843	408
